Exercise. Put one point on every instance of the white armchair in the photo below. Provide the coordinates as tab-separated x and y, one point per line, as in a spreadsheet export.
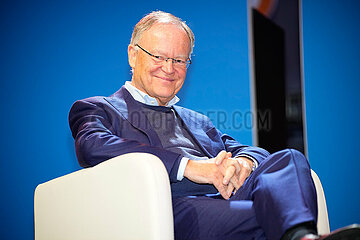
103	202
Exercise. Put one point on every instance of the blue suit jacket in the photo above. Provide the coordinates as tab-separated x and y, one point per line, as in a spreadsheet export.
105	127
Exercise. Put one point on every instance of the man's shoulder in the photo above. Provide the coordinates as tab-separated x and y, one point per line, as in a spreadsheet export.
94	99
117	98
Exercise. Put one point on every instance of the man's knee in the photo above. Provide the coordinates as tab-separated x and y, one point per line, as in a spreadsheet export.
288	153
283	158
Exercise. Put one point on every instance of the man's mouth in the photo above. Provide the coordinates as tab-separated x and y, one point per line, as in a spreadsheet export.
166	79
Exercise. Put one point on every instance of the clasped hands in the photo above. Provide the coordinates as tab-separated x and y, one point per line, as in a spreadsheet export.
227	174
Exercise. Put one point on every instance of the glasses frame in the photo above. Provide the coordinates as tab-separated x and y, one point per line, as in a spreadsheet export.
161	58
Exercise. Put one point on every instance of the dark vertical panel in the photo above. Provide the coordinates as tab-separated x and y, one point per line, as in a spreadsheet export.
270	82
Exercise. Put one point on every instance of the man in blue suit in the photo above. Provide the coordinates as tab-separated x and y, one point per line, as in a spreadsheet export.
221	189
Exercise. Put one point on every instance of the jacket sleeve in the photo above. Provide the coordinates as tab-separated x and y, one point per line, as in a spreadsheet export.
223	141
96	141
237	149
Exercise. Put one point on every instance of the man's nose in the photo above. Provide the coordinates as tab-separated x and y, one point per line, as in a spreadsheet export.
168	66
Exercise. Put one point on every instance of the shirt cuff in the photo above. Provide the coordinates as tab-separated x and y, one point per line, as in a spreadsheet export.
181	170
256	164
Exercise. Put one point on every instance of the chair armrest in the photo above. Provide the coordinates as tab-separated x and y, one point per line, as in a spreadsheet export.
323	219
127	197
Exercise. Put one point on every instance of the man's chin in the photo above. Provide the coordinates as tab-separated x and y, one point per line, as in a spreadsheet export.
164	100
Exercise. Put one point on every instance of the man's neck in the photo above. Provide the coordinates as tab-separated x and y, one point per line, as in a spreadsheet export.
145	98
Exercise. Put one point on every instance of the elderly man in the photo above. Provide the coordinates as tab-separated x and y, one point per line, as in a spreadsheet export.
261	196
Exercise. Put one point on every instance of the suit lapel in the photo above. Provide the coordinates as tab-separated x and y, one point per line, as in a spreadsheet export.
132	112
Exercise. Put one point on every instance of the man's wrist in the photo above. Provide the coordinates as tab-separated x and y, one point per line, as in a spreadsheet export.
251	160
183	162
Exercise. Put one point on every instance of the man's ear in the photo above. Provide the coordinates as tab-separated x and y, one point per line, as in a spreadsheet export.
132	55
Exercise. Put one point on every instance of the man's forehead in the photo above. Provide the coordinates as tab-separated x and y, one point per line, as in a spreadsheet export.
164	30
161	36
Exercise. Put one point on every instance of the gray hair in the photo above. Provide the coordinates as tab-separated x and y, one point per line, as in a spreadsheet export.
160	17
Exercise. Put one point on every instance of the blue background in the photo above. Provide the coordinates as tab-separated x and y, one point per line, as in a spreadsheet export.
55	52
331	40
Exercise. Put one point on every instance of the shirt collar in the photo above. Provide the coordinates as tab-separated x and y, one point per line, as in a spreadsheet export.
142	97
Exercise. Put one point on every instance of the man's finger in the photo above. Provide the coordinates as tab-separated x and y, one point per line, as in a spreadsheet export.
235	182
222	190
237	165
220	157
230	189
230	171
244	173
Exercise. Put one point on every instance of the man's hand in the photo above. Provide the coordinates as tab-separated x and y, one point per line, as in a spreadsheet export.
241	170
222	176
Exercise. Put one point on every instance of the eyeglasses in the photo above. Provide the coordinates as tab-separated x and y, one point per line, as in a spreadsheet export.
177	62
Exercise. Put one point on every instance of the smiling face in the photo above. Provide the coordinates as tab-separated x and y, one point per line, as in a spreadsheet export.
161	81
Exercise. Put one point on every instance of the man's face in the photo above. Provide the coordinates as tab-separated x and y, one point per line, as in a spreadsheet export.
161	81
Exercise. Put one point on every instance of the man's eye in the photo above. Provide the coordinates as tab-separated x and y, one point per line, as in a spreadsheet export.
161	58
180	61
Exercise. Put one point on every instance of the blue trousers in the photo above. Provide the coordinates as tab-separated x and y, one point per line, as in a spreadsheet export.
278	195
